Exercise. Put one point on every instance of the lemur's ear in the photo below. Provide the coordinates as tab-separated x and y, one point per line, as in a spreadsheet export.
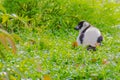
86	24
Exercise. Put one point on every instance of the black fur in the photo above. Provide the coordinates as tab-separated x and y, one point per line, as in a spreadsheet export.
81	37
82	34
79	26
100	39
91	48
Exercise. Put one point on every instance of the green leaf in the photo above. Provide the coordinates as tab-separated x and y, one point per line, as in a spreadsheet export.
5	18
2	8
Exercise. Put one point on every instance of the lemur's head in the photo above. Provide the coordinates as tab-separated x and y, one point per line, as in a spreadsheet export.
81	25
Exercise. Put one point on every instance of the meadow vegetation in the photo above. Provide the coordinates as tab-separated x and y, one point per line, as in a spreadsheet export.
37	40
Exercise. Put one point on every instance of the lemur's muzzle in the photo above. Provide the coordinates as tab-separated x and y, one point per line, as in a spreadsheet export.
76	28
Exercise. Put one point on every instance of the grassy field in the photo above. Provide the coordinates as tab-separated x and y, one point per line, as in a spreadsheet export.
44	46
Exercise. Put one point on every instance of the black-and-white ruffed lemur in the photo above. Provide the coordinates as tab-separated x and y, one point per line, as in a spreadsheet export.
88	36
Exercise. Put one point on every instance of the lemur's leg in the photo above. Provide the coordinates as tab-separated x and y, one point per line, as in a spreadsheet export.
91	48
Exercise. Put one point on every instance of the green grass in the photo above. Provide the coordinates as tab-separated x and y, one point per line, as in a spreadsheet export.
45	53
45	48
